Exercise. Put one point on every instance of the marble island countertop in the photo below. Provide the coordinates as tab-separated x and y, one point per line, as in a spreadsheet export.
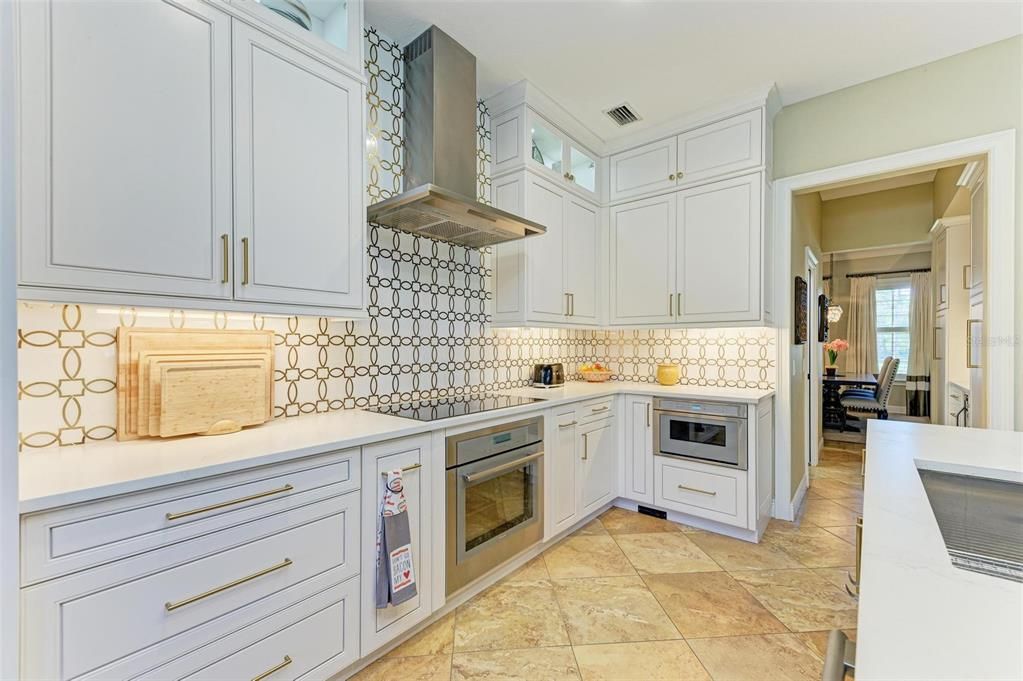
919	616
59	476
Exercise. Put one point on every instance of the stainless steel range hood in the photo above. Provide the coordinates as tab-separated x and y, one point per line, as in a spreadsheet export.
440	153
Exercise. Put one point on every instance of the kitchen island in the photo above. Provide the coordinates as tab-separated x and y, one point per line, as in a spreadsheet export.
919	616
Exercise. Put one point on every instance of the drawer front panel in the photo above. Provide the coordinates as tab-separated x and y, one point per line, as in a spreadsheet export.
78	537
596	409
706	493
93	624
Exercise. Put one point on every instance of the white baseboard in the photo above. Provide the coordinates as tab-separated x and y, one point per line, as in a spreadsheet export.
788	510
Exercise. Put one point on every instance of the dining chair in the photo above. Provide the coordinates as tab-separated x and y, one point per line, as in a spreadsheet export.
876	403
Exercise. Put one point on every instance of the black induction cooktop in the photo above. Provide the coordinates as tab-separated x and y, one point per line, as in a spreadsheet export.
448	407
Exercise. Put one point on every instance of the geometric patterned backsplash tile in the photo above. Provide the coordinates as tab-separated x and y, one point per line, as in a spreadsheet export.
427	334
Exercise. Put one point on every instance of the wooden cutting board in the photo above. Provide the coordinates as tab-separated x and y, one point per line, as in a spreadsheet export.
150	365
132	341
210	396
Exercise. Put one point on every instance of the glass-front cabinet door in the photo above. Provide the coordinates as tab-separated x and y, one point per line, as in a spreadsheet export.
555	151
333	26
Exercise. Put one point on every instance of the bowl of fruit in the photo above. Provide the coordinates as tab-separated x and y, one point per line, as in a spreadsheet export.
595	372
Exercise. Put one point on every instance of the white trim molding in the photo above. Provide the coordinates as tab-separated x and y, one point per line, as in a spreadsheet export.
1000	318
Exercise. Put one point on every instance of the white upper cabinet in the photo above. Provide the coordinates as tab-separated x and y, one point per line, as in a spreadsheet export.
125	147
172	153
552	278
718	239
644	170
642	246
298	188
727	146
333	27
523	138
715	150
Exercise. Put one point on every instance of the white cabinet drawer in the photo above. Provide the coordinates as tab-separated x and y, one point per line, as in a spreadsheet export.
314	638
710	492
720	148
149	608
71	539
595	409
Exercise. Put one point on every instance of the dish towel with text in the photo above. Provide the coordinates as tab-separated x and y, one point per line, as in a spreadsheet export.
396	577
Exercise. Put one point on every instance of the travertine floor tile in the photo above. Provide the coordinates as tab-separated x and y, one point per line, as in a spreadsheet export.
711	604
436	639
664	552
592	527
587	556
735	554
612	610
839	576
533	570
619	521
423	668
844	532
813	547
826	513
641	661
832	488
801	599
856	504
818	640
773	657
510	615
549	664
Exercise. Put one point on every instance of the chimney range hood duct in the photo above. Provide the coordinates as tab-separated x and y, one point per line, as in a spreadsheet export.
440	153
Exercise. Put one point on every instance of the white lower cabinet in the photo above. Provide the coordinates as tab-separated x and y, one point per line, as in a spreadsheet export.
581	463
639	449
412	456
598	464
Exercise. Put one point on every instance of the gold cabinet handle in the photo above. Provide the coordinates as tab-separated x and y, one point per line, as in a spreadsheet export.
586	446
268	672
245	260
601	408
934	348
406	469
671	304
649	408
698	490
678	174
225	245
678	303
571	302
567	425
671	177
969	344
171	606
225	504
966	278
568	304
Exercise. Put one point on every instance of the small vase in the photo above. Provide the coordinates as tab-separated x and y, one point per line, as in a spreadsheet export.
831	371
668	374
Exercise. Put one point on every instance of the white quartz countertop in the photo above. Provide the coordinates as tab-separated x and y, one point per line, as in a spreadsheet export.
59	476
920	617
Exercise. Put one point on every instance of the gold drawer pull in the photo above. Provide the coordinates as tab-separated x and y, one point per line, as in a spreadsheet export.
406	469
697	490
245	261
567	425
225	504
230	585
268	672
225	244
596	409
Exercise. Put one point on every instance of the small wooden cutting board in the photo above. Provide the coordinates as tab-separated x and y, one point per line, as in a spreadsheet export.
192	395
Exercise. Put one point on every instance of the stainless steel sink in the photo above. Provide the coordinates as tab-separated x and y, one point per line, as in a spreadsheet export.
981	521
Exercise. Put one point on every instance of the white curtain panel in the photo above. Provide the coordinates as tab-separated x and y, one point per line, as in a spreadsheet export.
862	356
921	326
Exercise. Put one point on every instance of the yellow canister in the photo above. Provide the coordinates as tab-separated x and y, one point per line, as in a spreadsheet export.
668	374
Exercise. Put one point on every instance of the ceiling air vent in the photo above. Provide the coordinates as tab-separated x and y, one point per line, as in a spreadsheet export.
622	114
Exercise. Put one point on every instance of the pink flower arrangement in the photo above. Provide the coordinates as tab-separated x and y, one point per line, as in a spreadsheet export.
834	347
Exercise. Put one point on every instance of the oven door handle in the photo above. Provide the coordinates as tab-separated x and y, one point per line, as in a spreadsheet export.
697	416
473	477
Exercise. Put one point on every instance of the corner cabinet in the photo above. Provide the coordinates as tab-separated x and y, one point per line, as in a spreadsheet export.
552	278
196	179
691	257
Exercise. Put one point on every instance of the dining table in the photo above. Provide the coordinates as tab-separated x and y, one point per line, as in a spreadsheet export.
831	387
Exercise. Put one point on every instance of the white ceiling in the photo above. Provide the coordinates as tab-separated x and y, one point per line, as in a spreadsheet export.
670	58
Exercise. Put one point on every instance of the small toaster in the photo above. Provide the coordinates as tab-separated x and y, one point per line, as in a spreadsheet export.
548	375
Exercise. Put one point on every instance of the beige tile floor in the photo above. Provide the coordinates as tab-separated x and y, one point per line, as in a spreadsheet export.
632	597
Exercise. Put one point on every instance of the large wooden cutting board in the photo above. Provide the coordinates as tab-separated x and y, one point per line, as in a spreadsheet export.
150	365
192	395
132	341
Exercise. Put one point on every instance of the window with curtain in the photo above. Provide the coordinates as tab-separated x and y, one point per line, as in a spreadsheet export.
892	318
